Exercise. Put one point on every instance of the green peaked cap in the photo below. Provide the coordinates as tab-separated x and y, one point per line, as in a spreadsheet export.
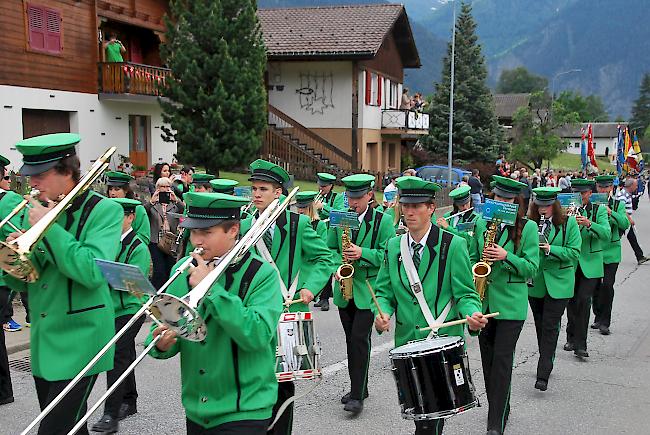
358	185
582	184
325	179
206	210
41	153
546	195
303	199
461	195
507	187
114	178
127	204
261	170
202	178
4	161
224	185
605	180
414	190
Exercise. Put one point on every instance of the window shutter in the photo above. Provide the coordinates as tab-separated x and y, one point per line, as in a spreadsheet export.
36	23
380	80
53	31
368	87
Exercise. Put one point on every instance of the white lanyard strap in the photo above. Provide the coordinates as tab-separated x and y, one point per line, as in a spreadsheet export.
264	252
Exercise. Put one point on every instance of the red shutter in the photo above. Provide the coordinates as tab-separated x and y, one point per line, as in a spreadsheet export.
53	31
380	79
368	87
36	23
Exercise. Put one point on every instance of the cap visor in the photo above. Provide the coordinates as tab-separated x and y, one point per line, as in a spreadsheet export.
265	178
28	170
117	183
581	188
544	202
356	194
462	201
414	199
504	193
194	223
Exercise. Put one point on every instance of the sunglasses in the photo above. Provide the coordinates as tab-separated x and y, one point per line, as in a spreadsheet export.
6	177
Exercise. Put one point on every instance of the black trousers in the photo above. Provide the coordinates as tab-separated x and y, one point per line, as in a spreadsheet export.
357	324
6	389
69	411
429	427
284	425
579	309
498	341
326	293
248	427
604	295
547	313
124	356
162	265
634	243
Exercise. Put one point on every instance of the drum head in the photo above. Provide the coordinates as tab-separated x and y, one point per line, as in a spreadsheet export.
423	346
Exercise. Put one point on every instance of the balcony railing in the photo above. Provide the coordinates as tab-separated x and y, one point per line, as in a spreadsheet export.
131	78
404	119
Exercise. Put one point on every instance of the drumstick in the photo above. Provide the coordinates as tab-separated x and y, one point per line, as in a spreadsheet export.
457	322
294	301
374	299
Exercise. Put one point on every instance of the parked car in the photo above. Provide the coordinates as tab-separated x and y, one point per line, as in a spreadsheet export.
439	174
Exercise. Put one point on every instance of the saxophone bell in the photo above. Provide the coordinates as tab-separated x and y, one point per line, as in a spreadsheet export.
346	270
482	269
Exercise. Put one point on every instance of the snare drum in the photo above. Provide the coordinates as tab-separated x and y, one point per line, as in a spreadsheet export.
297	356
433	378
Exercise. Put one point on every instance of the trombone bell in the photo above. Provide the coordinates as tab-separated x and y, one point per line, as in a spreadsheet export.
16	262
179	316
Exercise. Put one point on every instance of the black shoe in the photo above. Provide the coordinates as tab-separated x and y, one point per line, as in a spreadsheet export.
569	347
595	325
126	410
604	330
642	260
354	406
541	385
106	424
7	400
581	353
325	305
346	397
319	303
493	432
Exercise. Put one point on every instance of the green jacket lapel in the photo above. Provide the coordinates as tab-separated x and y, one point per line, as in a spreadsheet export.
365	227
279	236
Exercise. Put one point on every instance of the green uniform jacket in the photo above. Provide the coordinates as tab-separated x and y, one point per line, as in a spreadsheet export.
372	255
70	304
320	226
297	248
507	289
593	240
472	240
556	273
333	201
141	224
394	292
618	223
135	252
230	376
8	201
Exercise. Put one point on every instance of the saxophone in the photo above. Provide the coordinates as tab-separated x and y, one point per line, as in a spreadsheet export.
346	270
482	269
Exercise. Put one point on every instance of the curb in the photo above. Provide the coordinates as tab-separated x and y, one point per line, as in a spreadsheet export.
17	347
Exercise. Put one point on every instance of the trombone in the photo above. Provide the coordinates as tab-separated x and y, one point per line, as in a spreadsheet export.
180	314
22	205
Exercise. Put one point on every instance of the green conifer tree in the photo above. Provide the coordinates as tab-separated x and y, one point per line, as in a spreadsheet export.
476	132
217	101
641	111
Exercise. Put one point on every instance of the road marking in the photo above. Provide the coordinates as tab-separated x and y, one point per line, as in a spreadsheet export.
333	368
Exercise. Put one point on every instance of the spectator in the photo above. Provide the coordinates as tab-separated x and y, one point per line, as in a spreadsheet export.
405	104
418	102
389	189
625	194
526	192
550	179
564	183
182	184
114	49
163	209
410	172
464	181
160	170
476	187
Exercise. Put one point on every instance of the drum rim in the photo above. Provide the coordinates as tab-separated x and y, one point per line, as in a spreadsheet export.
403	355
440	414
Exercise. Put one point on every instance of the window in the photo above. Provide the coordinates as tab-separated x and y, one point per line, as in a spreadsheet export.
594	146
44	29
393	102
576	145
374	86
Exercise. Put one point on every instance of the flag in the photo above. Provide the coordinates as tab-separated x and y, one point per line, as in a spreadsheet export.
634	156
626	149
590	147
620	157
583	150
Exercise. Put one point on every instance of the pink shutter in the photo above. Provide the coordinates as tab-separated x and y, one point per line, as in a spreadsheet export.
368	87
380	79
36	25
53	31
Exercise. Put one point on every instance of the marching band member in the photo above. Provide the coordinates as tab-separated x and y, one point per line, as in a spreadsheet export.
118	187
515	257
300	256
71	298
367	253
445	274
559	246
224	185
305	205
462	202
201	182
331	200
132	250
228	381
595	231
618	222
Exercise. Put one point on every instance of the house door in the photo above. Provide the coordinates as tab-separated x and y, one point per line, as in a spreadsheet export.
37	122
139	138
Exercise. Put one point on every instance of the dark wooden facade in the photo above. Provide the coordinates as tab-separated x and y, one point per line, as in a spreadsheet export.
387	62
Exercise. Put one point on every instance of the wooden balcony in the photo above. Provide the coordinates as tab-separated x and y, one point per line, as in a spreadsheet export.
130	81
405	121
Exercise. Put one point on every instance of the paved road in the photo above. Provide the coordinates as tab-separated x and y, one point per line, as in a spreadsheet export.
607	393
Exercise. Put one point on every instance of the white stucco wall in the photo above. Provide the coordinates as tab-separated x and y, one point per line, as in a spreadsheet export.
94	120
601	144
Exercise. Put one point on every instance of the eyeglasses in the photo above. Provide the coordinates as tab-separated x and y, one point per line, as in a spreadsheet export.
6	177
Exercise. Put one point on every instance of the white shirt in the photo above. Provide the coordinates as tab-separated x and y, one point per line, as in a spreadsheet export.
422	241
126	233
363	215
271	228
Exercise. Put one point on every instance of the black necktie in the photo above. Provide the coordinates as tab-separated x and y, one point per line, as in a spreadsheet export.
268	239
416	254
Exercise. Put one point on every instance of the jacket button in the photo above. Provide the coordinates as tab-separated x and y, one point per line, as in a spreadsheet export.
415	302
204	399
201	371
417	326
43	315
44	286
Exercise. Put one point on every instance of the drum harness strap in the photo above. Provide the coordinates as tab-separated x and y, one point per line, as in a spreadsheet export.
416	287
